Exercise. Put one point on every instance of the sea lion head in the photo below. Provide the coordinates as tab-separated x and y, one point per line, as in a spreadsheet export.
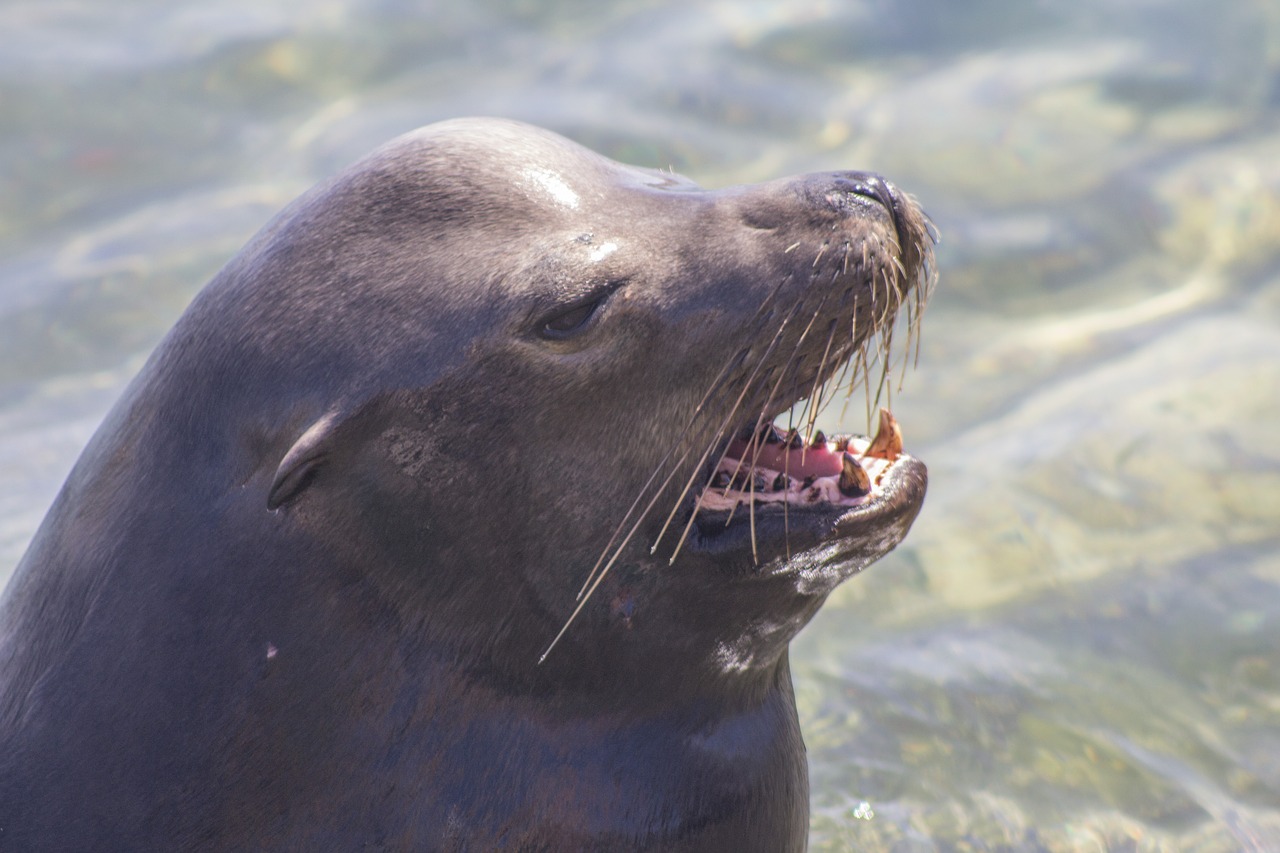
483	393
511	366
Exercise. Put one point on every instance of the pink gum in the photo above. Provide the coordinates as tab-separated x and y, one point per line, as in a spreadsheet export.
818	461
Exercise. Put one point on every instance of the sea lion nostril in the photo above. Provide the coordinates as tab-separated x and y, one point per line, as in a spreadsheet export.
869	186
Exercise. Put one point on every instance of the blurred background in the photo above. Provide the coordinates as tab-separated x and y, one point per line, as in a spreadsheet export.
1077	646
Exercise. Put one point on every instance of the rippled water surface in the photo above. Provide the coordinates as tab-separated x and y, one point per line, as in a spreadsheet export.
1076	649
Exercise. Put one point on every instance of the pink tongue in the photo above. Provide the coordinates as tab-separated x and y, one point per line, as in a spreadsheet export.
818	462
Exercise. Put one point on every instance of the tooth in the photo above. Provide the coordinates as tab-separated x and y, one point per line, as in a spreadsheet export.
780	483
854	482
772	435
888	441
819	440
794	441
808	481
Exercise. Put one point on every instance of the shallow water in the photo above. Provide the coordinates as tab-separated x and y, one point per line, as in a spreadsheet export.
1075	649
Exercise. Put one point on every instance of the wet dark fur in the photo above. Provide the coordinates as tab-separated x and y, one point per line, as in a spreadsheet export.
182	667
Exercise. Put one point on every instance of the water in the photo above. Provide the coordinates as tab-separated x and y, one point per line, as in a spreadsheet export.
1075	649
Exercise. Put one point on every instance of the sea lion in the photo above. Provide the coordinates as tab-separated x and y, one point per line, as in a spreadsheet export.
299	590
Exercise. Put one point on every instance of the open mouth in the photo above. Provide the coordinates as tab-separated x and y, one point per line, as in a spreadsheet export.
819	510
776	470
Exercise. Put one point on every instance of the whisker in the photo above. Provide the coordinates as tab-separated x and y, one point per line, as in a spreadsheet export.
917	326
866	376
817	385
853	360
572	616
884	332
886	341
724	371
786	514
593	579
821	250
758	445
782	374
760	420
826	396
733	361
906	351
697	505
898	263
755	432
751	506
720	432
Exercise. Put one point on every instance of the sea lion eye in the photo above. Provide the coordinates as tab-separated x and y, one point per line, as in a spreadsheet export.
572	319
567	322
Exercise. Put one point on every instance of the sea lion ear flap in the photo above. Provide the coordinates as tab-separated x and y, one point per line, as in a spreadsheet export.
297	466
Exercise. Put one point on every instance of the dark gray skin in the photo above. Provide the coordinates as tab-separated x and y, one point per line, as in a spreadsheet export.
294	593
